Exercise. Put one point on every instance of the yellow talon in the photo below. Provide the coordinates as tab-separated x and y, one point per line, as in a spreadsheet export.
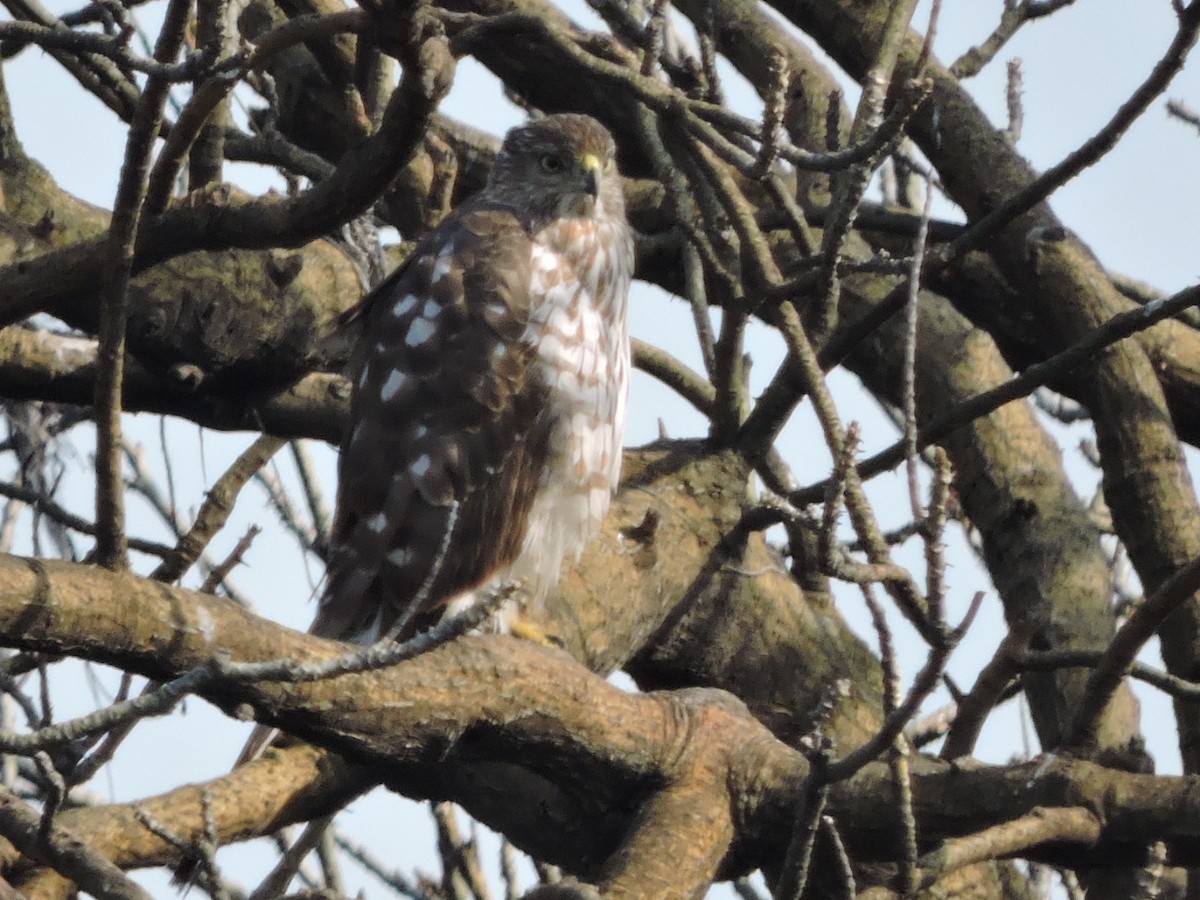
528	631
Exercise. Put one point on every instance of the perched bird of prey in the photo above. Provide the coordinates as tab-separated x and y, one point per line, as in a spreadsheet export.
489	392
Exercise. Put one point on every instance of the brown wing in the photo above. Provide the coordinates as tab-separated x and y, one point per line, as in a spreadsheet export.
441	462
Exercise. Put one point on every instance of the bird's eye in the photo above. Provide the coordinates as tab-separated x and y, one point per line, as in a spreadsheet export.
550	163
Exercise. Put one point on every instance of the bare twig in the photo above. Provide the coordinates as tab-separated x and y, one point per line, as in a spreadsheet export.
1179	110
221	571
774	110
924	683
910	360
111	544
655	27
92	44
990	686
904	591
95	73
288	865
898	751
1117	328
49	508
362	174
202	851
1049	660
213	93
217	506
508	870
708	54
65	852
934	534
331	866
277	494
394	879
797	863
1016	110
318	508
1093	149
1071	825
462	871
1139	628
851	183
218	41
674	374
697	295
1016	14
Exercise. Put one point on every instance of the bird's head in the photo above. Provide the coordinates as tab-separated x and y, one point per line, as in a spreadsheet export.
560	166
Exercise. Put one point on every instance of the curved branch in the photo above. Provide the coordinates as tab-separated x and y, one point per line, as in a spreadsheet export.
64	851
221	223
37	365
604	777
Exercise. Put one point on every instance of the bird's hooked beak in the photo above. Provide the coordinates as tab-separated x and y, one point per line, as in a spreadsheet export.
591	167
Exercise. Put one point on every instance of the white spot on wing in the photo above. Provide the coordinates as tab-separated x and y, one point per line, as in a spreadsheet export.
419	332
391	387
377	523
421	465
404	306
400	557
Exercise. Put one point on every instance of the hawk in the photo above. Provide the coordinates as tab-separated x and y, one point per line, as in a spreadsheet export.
489	393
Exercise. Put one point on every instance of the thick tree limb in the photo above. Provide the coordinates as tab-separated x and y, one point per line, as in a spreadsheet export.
523	719
64	851
38	365
291	786
363	174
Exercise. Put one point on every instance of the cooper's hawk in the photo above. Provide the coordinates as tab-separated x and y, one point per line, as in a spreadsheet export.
489	390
